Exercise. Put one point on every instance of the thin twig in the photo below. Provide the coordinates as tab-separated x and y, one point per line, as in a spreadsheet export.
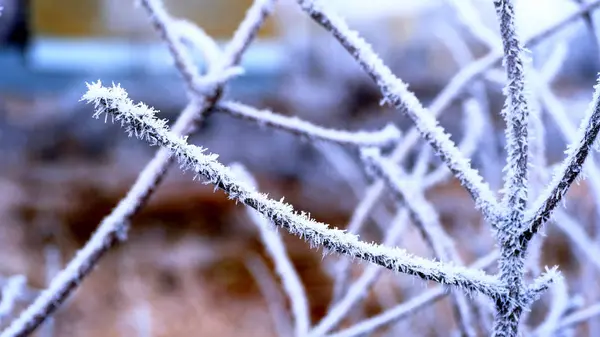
360	287
270	291
292	284
516	114
386	137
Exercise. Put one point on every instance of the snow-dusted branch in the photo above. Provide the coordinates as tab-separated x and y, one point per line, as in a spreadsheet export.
558	307
540	285
396	93
139	120
422	212
283	265
568	171
386	137
516	113
516	116
473	117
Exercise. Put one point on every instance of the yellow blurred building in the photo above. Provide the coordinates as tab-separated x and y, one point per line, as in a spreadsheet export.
122	18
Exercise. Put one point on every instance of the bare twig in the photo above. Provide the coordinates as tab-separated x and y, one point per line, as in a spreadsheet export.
270	290
383	138
283	265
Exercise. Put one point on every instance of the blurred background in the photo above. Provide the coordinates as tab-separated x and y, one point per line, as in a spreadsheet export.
185	268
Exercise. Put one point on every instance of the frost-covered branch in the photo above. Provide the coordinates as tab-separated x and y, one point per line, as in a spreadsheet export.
396	93
516	116
383	138
139	120
472	135
540	285
283	265
516	113
558	307
568	171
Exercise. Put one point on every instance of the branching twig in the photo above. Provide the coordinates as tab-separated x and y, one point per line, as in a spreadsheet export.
140	121
516	115
383	138
283	265
568	171
426	220
396	93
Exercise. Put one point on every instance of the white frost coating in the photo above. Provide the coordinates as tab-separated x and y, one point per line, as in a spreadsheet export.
541	284
555	108
515	112
284	267
396	93
388	136
139	120
114	225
